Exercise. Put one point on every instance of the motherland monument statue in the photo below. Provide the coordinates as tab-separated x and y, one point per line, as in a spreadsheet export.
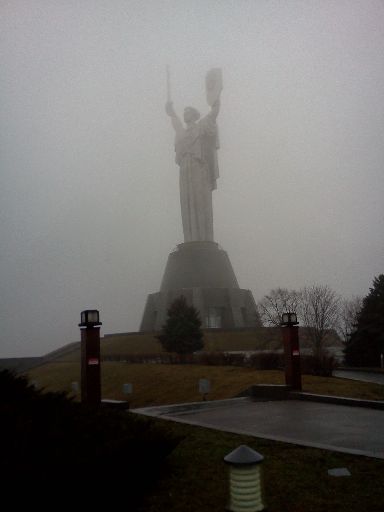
199	269
196	148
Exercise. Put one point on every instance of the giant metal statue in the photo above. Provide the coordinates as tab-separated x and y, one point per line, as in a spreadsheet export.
199	269
196	147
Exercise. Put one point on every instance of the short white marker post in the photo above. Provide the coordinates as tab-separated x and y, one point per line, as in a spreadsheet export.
246	493
127	388
204	387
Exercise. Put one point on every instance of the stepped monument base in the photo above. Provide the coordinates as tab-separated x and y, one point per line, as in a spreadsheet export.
202	272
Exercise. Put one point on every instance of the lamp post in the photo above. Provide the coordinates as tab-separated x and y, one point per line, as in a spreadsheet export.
290	331
90	356
246	491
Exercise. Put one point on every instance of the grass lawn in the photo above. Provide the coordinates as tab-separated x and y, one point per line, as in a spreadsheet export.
295	478
156	384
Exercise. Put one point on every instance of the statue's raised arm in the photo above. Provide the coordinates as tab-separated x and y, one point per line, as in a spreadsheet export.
213	88
175	120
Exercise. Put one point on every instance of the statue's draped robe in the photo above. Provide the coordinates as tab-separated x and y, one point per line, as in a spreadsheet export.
196	154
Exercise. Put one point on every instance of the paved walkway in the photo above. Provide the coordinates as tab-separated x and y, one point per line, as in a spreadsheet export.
342	428
375	377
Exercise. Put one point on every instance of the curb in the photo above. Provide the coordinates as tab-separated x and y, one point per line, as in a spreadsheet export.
337	400
164	410
362	370
185	408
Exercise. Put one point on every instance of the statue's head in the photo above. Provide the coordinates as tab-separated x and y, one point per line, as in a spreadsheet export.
191	115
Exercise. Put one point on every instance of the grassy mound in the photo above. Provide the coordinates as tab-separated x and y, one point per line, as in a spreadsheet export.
215	340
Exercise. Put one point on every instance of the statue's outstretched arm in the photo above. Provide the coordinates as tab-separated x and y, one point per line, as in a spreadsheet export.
176	123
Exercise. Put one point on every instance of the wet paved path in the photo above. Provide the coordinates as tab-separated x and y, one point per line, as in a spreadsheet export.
377	378
348	429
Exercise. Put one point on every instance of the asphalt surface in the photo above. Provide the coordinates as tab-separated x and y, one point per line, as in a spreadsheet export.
356	430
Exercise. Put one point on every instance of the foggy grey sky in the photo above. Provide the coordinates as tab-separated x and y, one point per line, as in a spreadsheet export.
89	189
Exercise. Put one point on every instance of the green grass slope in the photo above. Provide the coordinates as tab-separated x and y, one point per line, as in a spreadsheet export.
157	384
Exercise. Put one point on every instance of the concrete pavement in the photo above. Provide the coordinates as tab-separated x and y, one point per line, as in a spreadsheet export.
357	430
365	376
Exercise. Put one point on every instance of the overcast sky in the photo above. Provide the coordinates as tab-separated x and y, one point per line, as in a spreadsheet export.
89	196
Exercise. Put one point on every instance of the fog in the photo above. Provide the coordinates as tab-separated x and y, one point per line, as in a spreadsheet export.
89	188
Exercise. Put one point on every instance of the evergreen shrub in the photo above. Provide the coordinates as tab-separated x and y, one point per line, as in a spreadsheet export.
50	443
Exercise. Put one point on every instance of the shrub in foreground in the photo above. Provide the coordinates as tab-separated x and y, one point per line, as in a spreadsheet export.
50	443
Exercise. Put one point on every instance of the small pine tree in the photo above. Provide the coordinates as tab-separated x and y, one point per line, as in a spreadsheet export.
366	342
182	330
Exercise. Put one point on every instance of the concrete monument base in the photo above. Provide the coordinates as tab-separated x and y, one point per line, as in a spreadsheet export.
202	272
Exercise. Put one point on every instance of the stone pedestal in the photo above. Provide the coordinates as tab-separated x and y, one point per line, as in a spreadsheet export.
202	272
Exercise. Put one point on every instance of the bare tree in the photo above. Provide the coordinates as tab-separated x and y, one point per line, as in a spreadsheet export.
319	312
279	301
349	310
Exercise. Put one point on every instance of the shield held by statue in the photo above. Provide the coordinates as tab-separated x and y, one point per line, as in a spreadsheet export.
213	85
